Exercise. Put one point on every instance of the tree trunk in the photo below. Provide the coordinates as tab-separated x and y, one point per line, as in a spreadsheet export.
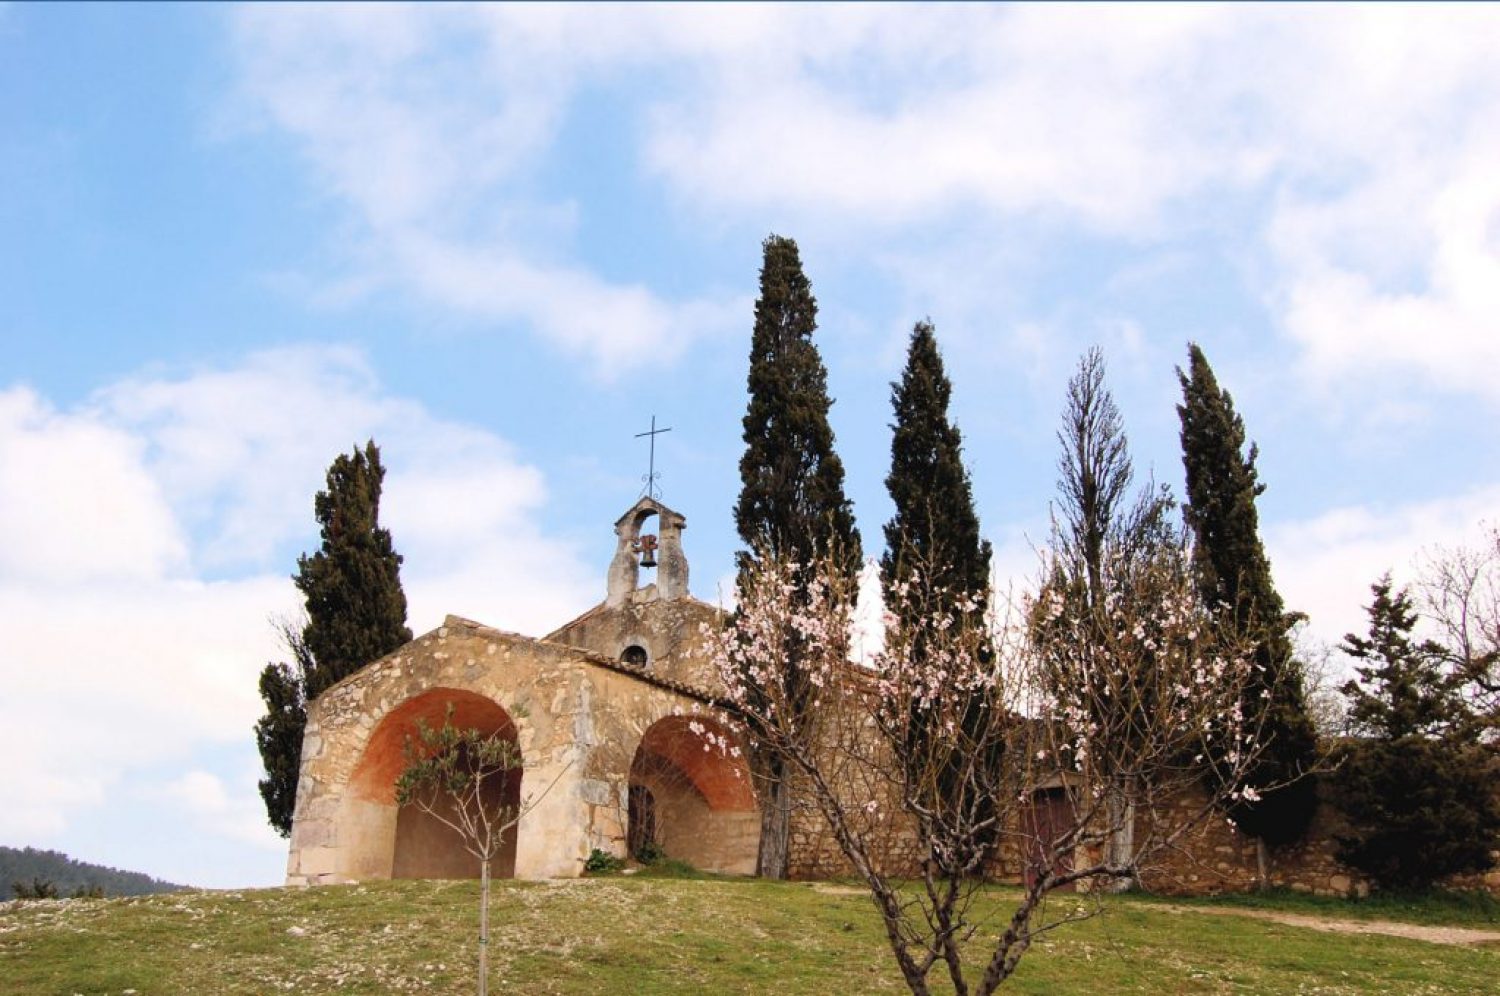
484	927
775	829
1262	879
1121	814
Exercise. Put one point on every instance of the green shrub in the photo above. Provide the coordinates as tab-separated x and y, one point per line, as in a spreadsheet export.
602	863
1419	810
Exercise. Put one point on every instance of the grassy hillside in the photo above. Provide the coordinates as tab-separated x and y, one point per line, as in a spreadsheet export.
24	864
640	935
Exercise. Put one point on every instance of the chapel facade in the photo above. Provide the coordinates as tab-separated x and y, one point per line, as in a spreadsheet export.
610	714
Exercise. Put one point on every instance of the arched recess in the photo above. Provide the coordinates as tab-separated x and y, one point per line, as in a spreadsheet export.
406	842
692	797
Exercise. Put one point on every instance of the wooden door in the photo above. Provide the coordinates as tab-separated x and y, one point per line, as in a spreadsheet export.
1046	820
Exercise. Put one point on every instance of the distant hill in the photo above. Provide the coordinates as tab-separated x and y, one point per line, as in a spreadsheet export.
28	864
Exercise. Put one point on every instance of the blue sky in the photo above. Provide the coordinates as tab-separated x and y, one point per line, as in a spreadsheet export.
236	241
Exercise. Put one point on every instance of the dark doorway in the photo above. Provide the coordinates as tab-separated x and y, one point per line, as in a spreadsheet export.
641	835
1046	820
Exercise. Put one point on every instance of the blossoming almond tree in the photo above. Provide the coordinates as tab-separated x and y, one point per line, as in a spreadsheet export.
1007	716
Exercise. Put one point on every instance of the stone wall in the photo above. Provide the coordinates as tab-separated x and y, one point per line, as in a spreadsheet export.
669	630
1216	858
1213	858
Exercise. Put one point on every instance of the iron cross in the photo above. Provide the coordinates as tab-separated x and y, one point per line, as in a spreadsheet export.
651	475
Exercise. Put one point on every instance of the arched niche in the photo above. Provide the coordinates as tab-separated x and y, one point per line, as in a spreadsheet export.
406	842
693	797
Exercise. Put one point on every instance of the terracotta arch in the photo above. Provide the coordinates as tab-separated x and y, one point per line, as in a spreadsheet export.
418	844
693	798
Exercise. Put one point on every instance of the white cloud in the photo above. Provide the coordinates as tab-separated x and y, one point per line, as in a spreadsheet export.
1324	565
1368	134
122	657
1361	140
213	808
74	501
105	677
430	125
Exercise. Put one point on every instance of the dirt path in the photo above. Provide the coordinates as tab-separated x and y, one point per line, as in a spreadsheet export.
1411	931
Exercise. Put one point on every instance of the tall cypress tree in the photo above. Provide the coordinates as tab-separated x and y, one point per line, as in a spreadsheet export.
935	529
935	562
792	501
792	504
356	612
1234	575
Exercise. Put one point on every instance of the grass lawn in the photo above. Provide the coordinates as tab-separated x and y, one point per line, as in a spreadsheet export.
657	935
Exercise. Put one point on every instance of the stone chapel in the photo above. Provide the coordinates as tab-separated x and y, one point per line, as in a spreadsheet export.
608	712
611	714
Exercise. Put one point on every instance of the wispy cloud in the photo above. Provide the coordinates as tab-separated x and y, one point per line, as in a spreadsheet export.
431	126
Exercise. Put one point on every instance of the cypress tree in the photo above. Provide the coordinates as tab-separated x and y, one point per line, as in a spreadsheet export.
1417	786
356	612
278	736
934	553
792	505
1234	575
792	501
935	529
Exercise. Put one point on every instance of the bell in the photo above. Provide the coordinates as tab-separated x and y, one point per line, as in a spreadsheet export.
647	546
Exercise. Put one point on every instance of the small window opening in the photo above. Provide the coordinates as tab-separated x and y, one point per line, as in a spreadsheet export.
634	654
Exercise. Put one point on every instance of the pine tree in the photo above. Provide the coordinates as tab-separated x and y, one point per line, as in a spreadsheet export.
356	612
935	530
1416	786
936	567
1406	687
792	505
1235	576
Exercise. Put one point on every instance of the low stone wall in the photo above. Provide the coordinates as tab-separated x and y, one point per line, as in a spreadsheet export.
1212	858
1216	858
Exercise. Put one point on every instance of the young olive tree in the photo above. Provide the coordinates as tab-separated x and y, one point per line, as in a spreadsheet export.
460	777
1008	716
